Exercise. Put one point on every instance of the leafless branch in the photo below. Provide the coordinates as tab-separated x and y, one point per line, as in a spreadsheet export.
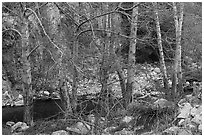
126	9
12	29
45	31
10	10
109	31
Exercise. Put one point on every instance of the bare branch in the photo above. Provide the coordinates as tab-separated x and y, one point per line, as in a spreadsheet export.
33	50
94	18
45	31
10	10
12	29
109	31
126	9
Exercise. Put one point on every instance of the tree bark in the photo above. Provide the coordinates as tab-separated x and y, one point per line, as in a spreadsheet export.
75	72
177	73
131	58
161	59
26	73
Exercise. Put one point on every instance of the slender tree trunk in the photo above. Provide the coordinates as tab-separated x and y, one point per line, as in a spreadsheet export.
177	73
116	27
75	76
53	15
180	78
75	72
26	73
65	97
131	58
161	59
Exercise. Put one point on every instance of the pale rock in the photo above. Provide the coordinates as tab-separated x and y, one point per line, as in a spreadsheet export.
127	119
200	128
10	123
197	119
60	132
184	132
184	112
20	96
163	103
171	131
109	129
157	70
80	128
19	127
91	118
19	103
192	127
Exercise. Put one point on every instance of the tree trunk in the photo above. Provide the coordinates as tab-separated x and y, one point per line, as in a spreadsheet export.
26	74
65	97
75	72
177	73
161	59
131	58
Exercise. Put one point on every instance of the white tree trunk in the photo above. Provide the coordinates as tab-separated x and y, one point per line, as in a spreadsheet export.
161	58
177	73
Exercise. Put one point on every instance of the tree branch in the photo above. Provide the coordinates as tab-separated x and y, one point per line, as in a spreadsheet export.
94	18
45	31
126	9
109	31
10	10
12	29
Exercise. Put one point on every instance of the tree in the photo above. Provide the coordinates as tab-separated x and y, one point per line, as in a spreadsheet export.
177	72
26	72
159	39
131	57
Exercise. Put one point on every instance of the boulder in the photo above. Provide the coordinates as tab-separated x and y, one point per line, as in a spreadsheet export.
60	132
19	127
80	128
10	123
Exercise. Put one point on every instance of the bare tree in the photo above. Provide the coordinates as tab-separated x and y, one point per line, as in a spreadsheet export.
159	40
131	57
177	73
26	72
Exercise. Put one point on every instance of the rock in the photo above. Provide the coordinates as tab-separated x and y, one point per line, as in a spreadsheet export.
176	131
44	93
91	118
19	103
197	119
163	103
185	111
17	133
10	123
19	127
60	132
157	70
200	128
171	131
124	132
127	119
184	132
109	129
184	122
192	127
196	110
20	96
80	128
